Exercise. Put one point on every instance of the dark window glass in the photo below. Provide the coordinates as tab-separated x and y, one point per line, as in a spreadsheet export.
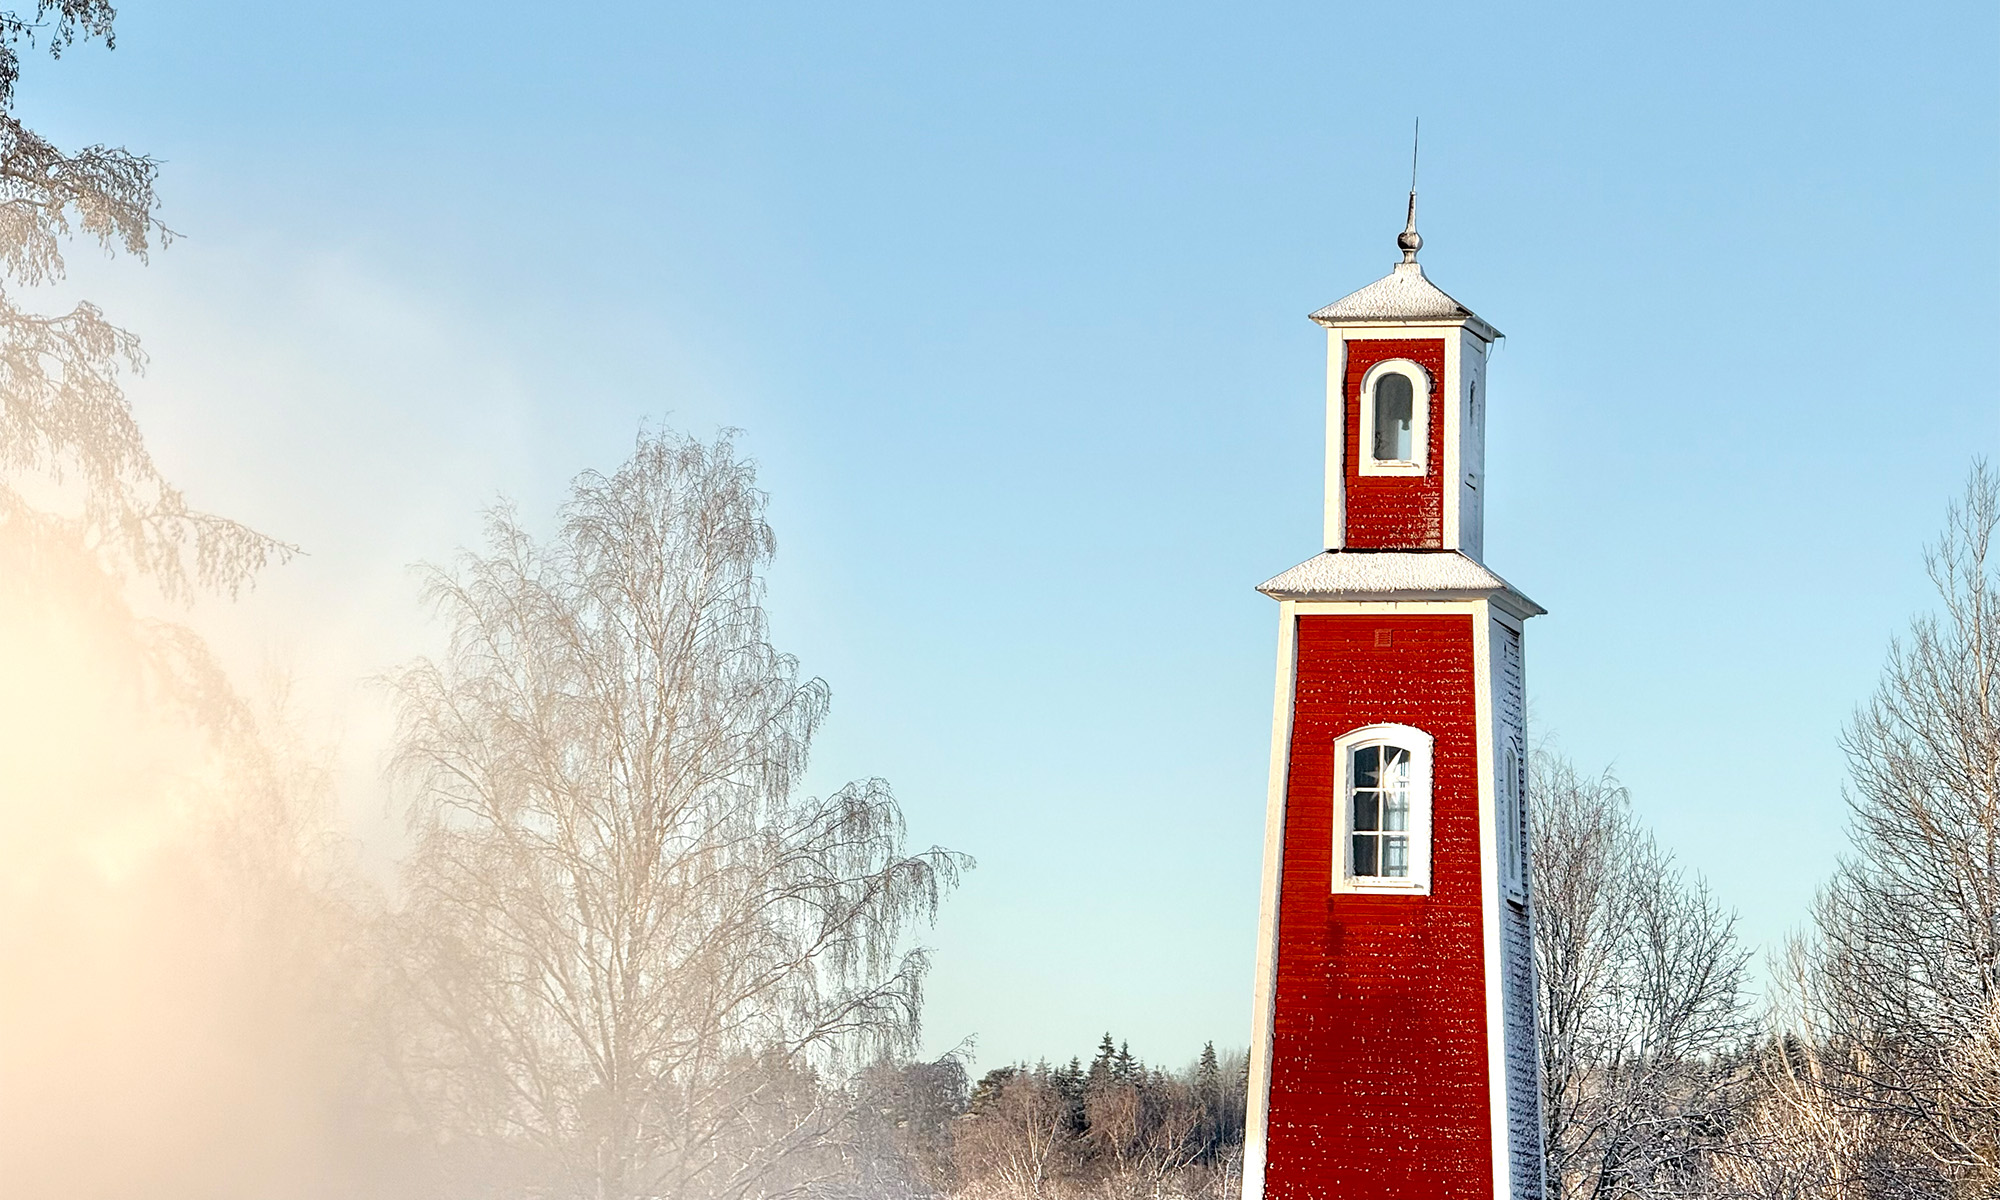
1378	807
1395	410
1366	766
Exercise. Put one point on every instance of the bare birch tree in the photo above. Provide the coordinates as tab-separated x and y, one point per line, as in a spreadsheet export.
1901	991
1016	1143
1642	1006
1144	1133
74	467
907	1112
1793	1139
1121	1132
634	947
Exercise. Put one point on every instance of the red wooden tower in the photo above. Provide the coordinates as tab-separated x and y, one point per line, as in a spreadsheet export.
1394	1047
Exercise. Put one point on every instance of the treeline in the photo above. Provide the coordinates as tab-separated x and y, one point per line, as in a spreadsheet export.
1116	1128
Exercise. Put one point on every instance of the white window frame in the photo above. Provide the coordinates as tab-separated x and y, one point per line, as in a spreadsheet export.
1511	836
1420	420
1419	744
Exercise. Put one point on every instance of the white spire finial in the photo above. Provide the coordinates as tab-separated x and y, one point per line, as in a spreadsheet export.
1410	240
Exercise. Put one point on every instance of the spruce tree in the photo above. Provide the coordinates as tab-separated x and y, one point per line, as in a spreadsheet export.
987	1091
1101	1067
1069	1084
1208	1098
1069	1080
1208	1074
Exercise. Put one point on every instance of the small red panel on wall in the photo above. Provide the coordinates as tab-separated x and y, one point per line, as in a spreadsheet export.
1378	1064
1386	511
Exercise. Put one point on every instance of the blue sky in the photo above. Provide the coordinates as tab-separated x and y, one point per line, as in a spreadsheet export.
1010	304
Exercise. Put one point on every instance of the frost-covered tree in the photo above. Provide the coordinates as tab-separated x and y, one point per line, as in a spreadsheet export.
75	473
1036	1133
634	949
1104	1062
1016	1143
1900	984
1642	1002
906	1113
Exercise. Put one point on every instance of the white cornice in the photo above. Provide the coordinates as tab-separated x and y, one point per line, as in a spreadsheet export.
1395	575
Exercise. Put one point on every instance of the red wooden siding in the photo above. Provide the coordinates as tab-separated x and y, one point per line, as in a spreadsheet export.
1378	1064
1395	510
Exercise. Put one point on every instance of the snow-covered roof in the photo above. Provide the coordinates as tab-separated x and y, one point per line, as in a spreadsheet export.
1403	295
1351	574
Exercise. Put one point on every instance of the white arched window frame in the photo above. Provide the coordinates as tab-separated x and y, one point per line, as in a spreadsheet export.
1361	810
1512	818
1420	419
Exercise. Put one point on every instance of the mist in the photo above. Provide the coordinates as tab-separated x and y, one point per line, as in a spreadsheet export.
182	933
641	966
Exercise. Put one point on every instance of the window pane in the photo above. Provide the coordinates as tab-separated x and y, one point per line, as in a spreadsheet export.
1381	811
1367	811
1396	857
1396	762
1394	408
1366	766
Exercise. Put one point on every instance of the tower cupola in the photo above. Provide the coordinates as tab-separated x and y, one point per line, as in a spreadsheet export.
1406	436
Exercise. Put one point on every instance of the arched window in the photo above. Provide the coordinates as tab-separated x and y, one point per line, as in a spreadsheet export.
1383	788
1395	418
1512	819
1395	410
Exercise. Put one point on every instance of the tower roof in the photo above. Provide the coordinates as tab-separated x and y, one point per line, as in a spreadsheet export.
1403	296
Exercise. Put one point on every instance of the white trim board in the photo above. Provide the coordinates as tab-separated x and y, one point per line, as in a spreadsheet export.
1264	1000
